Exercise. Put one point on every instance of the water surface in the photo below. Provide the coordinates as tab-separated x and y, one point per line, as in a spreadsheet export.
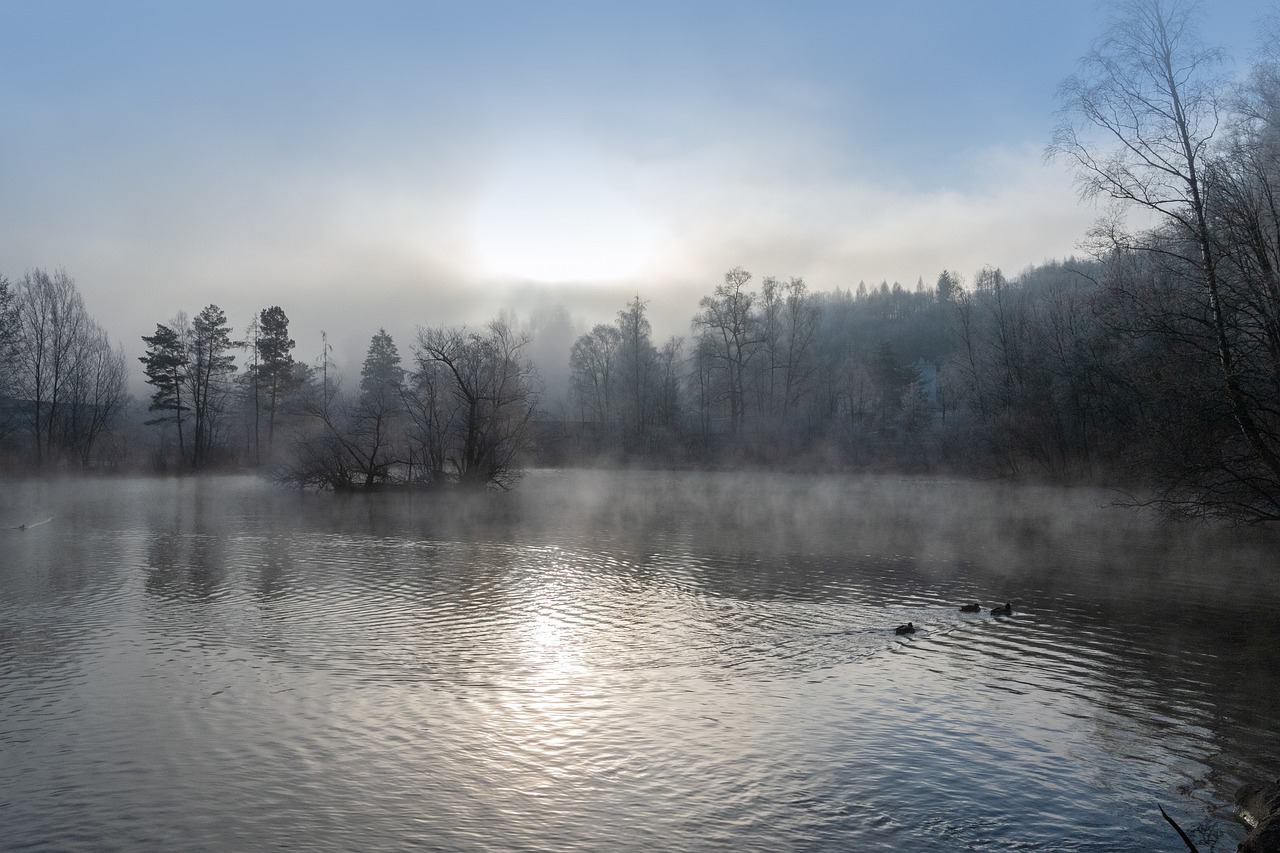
626	661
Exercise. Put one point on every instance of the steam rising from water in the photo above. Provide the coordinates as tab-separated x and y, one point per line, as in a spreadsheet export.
679	661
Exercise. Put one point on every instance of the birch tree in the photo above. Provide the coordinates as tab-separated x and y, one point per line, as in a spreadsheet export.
1138	126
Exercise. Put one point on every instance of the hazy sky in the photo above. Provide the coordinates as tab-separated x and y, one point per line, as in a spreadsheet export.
395	164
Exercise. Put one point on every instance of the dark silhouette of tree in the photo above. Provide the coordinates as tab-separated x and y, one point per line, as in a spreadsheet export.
485	396
8	359
1138	125
165	364
373	424
210	365
359	443
275	371
69	381
50	316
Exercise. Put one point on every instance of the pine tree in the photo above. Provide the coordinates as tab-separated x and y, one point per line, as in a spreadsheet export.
212	363
381	372
166	367
275	373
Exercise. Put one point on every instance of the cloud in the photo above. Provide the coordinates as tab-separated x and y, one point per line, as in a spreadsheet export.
1008	209
342	171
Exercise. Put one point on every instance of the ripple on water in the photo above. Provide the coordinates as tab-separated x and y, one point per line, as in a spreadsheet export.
175	681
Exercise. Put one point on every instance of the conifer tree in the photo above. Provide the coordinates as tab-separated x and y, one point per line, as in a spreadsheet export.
166	367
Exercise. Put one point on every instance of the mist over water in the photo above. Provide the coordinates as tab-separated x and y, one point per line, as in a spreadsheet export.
626	660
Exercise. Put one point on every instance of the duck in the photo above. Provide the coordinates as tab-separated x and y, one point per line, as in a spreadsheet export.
1007	610
971	608
902	630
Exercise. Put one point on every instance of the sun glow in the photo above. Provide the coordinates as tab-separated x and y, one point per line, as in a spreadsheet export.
560	215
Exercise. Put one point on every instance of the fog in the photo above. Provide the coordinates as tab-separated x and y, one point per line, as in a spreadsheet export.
940	528
342	166
537	576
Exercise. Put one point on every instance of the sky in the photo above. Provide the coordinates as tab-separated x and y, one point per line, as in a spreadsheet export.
405	164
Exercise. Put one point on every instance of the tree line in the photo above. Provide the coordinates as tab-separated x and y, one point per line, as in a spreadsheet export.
62	385
1150	123
462	415
1152	364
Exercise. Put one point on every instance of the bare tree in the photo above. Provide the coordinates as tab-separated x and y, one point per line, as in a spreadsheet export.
69	381
594	372
8	358
729	332
772	367
99	396
359	442
801	316
702	389
487	394
49	314
670	361
1138	124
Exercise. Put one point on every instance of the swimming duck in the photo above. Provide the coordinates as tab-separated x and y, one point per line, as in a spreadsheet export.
1007	610
905	629
971	608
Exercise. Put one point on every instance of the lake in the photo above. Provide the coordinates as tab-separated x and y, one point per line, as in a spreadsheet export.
626	661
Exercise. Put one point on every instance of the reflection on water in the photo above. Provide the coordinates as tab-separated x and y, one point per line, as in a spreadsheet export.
638	661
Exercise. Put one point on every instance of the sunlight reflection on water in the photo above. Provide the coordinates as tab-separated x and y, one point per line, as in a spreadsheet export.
622	661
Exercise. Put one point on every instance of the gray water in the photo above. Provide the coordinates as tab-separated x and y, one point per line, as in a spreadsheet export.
626	662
